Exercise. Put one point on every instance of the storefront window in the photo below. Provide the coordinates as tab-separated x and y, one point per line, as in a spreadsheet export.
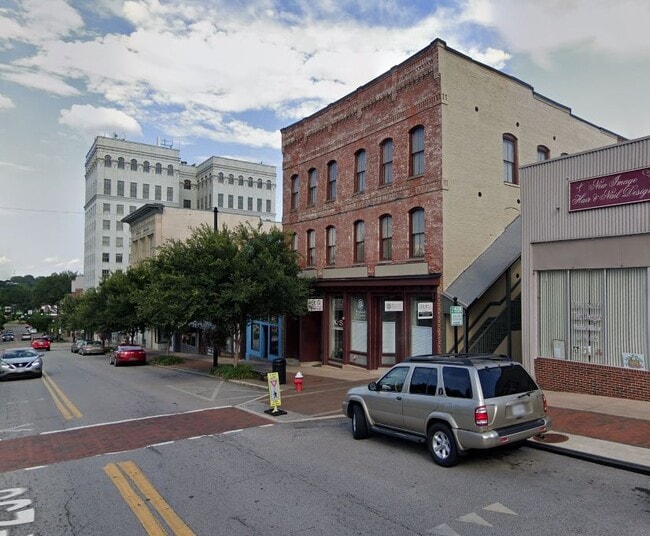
255	337
421	326
389	318
359	330
336	328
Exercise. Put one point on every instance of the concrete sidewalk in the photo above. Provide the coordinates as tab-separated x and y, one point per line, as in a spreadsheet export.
610	431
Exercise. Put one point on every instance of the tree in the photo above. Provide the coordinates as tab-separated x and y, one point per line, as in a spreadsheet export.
52	289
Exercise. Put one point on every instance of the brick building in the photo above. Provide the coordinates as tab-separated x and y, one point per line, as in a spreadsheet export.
396	190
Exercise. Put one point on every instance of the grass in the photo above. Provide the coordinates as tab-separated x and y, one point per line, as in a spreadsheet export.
242	371
165	360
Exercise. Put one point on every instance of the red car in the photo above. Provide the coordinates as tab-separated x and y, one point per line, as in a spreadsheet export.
128	354
41	343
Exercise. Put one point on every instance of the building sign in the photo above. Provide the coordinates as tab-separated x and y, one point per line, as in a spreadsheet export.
425	310
610	190
390	306
315	304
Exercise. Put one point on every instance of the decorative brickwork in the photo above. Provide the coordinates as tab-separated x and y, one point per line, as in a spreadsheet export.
601	380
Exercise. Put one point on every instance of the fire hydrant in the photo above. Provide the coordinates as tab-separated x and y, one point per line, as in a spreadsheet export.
297	381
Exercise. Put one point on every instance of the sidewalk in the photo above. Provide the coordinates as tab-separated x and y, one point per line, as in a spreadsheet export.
609	431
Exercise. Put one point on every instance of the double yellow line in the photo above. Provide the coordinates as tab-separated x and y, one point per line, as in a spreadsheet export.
62	402
120	474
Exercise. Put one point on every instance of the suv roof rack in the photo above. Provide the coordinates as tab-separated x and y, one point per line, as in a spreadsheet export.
456	359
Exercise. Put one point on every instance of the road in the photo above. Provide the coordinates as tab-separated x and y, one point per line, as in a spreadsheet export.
158	451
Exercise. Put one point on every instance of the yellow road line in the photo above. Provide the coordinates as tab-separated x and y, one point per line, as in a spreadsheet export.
149	522
62	402
146	488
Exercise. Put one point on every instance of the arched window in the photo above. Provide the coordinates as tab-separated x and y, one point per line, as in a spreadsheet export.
107	161
416	241
332	175
311	192
250	182
417	151
386	238
120	163
360	171
543	153
220	177
510	160
231	179
134	165
311	248
386	171
145	166
331	244
359	241
294	192
187	184
269	185
241	181
170	170
158	168
259	183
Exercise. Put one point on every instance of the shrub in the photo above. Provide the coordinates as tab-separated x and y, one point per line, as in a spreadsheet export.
242	371
165	360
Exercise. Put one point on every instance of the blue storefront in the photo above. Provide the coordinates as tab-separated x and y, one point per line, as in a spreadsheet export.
264	339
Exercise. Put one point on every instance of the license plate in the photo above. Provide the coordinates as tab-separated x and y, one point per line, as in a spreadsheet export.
518	410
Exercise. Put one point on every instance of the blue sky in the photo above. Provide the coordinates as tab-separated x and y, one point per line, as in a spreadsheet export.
222	77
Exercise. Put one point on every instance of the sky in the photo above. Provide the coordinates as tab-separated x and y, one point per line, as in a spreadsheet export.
222	77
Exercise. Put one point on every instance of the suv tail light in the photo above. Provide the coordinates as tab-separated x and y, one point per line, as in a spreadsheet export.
545	403
481	416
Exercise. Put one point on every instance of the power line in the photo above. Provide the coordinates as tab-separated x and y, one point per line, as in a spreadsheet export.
42	210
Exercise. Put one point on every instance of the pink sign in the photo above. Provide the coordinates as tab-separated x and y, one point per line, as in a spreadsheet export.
619	189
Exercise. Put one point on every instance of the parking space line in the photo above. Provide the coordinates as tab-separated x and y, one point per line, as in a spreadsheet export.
62	402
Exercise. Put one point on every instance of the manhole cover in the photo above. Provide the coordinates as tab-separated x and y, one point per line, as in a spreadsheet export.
551	438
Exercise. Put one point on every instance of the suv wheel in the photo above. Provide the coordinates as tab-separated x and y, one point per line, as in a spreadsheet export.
359	423
442	445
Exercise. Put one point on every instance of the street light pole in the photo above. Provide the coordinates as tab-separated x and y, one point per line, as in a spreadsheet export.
216	218
215	343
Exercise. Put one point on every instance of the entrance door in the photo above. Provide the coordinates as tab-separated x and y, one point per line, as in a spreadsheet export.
391	330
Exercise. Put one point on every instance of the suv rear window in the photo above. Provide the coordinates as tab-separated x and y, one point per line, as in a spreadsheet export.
503	381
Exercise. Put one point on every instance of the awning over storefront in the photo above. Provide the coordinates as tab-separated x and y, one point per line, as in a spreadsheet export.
488	266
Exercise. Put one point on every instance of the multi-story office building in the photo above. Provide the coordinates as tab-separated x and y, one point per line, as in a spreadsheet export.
122	176
396	190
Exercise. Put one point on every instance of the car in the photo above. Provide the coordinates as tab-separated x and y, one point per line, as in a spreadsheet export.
41	343
8	336
26	336
125	353
18	362
454	402
76	344
92	347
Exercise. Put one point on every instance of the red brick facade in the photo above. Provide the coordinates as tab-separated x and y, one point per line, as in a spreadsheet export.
577	377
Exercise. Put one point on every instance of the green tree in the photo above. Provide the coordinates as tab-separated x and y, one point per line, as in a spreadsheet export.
52	289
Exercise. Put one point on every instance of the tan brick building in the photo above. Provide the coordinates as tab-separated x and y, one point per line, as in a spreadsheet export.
396	190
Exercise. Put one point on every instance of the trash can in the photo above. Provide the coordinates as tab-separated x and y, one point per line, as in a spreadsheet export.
279	365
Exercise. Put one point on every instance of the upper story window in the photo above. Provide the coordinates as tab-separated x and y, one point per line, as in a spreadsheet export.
269	185
231	179
107	161
170	170
294	241
120	188
134	165
417	151
311	248
107	186
311	193
250	182
331	245
120	163
170	194
416	242
360	171
386	172
220	177
260	183
145	191
187	184
294	191
240	181
157	192
107	208
145	166
359	241
133	189
543	153
386	238
268	205
510	163
332	174
158	168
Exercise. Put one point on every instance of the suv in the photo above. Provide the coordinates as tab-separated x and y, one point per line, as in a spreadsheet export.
454	402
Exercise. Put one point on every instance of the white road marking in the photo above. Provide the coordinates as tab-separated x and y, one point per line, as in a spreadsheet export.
19	428
500	508
474	518
443	530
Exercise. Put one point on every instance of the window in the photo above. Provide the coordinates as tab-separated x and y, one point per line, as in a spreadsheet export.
145	191
132	209
118	258
107	186
332	172
360	174
107	161
119	209
120	188
294	192
311	248
106	257
220	177
417	151
120	163
170	170
417	233
457	382
187	184
158	192
294	242
220	200
240	202
105	273
230	201
313	181
250	182
158	168
119	226
393	380
249	203
106	209
359	241
240	182
424	381
331	245
119	242
269	185
133	189
543	153
259	205
259	183
385	238
106	225
170	194
106	240
387	162
134	165
510	172
187	203
268	205
145	166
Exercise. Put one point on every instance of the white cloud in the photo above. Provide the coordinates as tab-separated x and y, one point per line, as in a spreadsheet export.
39	80
92	120
6	267
15	167
6	103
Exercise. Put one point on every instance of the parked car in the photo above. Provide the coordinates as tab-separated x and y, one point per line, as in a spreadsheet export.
92	347
454	403
78	343
8	336
18	362
41	343
128	354
26	336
